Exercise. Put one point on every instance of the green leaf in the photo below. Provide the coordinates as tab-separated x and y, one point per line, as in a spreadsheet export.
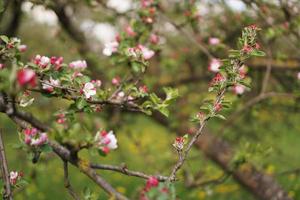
101	153
81	103
1	6
220	116
4	38
258	53
171	94
46	148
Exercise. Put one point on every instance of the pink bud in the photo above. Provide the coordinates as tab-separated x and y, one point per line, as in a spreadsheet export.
25	77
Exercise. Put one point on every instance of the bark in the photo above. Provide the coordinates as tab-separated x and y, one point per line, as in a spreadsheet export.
263	186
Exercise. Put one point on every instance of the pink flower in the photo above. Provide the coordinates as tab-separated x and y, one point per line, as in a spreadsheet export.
154	39
242	72
252	26
146	3
151	182
116	81
179	143
129	31
143	89
298	75
50	84
2	66
132	52
89	90
218	107
147	53
110	48
97	83
22	48
247	48
214	65
76	74
26	77
239	89
39	141
219	78
57	62
106	141
78	64
41	61
33	138
214	41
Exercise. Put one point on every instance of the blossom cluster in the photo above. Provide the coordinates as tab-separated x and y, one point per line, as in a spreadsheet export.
34	138
14	177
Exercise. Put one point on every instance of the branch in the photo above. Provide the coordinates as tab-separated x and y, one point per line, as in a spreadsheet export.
183	155
7	195
124	170
67	182
23	120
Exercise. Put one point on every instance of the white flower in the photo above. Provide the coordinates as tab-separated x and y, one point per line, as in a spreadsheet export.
113	140
13	175
89	90
214	65
106	140
298	75
110	48
78	64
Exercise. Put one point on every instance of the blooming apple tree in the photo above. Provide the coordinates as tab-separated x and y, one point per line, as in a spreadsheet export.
22	83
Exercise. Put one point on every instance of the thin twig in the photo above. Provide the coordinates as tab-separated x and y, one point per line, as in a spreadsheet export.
7	195
67	182
124	170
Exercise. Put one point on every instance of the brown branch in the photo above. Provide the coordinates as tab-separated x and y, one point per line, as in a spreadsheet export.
183	155
24	119
67	182
124	170
7	195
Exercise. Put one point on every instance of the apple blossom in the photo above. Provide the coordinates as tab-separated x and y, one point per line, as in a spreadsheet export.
50	84
2	66
179	143
41	61
26	77
214	41
146	53
239	89
22	48
105	141
39	141
298	75
56	61
219	78
116	81
218	107
14	177
110	48
89	90
78	64
151	182
154	39
97	83
34	138
129	31
143	89
214	65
